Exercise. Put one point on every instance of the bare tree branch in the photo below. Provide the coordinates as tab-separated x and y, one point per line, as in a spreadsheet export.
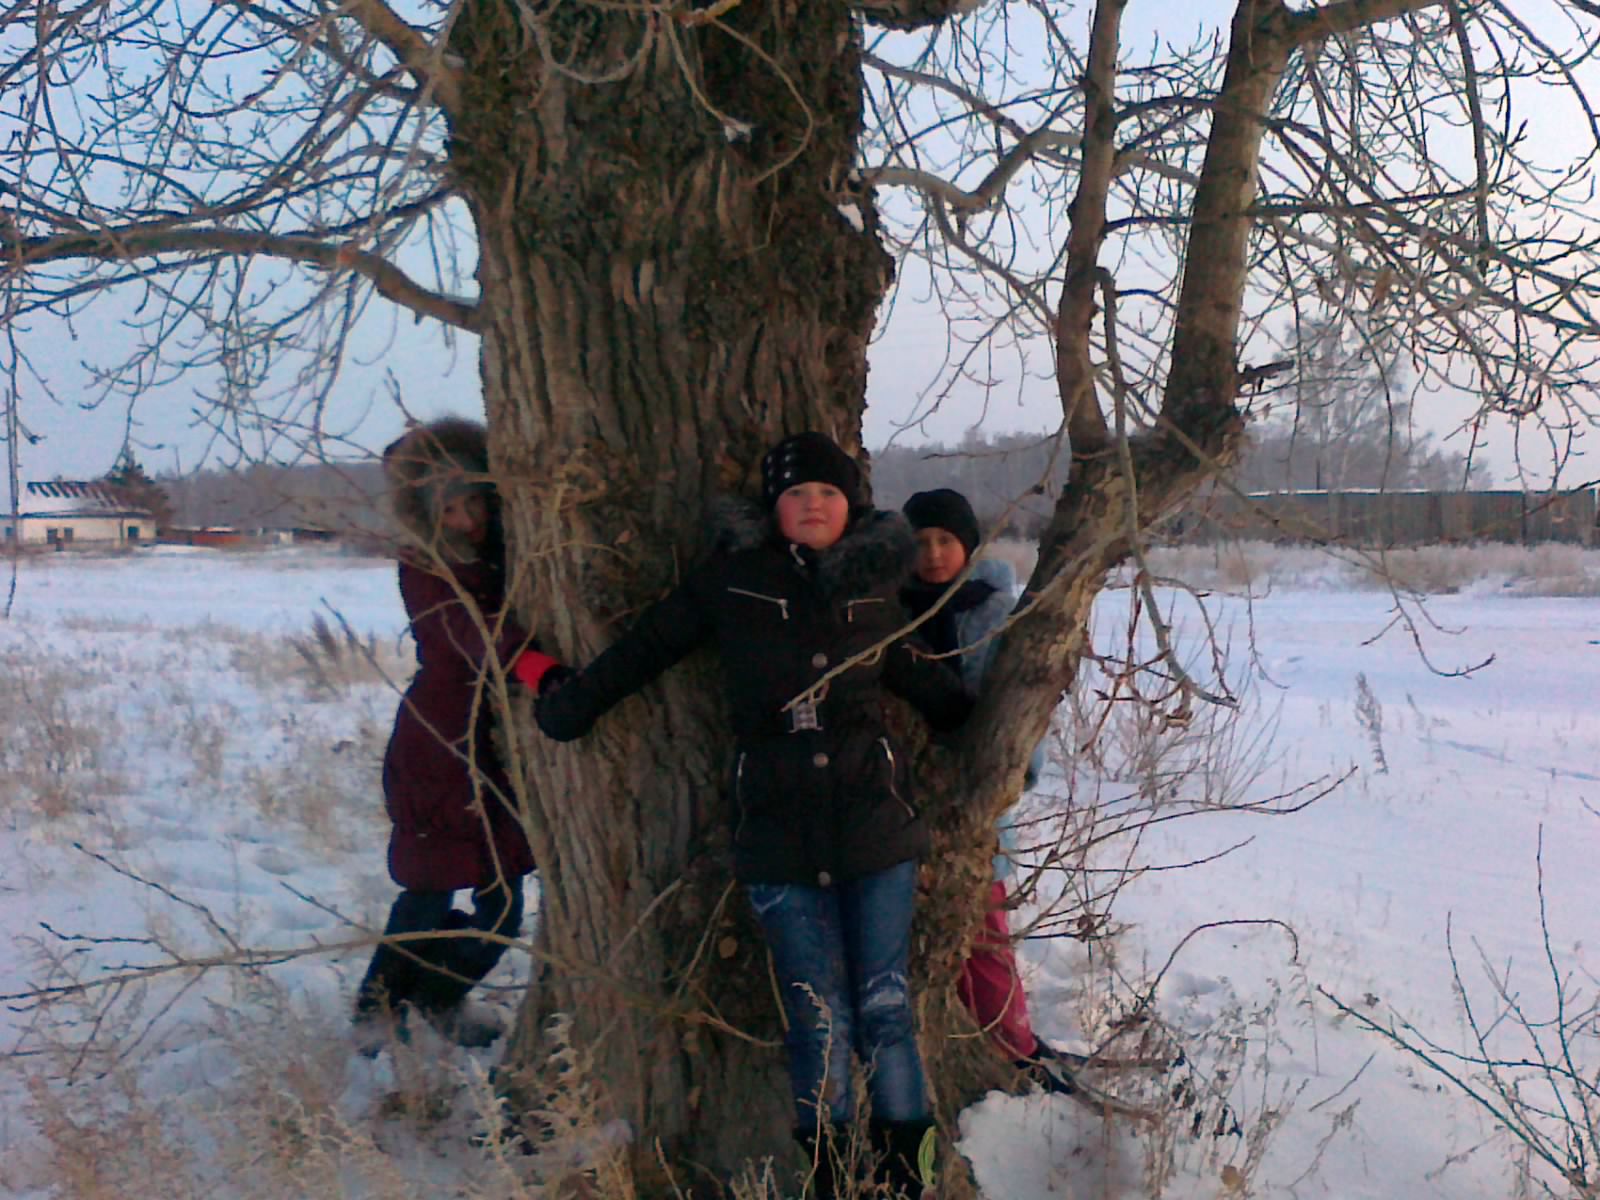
120	245
1328	19
425	60
1086	424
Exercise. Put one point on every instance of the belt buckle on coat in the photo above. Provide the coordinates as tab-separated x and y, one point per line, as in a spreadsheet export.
802	714
803	717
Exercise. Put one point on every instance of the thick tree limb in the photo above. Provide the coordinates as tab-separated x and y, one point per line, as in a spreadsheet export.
118	245
1346	15
1203	380
421	57
1086	424
913	14
1480	151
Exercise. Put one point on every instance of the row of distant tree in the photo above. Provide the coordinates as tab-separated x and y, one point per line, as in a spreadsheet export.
1338	420
343	497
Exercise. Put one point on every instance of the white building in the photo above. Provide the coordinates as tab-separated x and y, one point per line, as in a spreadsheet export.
65	513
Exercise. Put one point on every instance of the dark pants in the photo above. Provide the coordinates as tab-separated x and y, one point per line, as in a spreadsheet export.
840	954
435	974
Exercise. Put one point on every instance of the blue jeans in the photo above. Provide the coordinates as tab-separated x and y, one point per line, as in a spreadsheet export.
840	954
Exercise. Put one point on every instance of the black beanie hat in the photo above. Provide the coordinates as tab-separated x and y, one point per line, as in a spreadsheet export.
808	458
945	508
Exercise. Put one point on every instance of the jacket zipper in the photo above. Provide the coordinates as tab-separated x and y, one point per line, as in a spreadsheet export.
894	791
738	794
850	607
781	602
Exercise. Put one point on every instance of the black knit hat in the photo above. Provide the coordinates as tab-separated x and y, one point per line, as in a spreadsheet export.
945	508
808	458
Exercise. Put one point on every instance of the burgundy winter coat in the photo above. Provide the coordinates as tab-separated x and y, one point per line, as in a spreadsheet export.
443	837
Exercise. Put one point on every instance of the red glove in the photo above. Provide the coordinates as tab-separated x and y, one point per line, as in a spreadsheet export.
532	666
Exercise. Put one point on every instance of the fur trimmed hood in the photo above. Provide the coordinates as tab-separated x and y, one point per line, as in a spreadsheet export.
997	573
430	463
877	549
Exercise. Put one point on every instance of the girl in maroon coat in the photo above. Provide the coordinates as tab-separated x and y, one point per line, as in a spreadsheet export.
446	791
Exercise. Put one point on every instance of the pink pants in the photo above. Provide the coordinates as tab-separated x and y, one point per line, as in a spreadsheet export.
990	986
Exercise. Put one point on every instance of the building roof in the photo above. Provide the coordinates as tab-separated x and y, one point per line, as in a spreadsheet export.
75	498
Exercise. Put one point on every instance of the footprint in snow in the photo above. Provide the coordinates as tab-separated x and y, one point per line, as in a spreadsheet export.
275	861
206	877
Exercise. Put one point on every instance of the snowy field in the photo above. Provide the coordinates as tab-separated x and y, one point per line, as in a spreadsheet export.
185	771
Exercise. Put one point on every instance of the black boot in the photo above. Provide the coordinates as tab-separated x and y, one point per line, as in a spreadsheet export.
1053	1070
900	1145
828	1159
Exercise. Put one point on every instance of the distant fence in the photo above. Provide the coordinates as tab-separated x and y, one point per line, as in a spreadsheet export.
1395	518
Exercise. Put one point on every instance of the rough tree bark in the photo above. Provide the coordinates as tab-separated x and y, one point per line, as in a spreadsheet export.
666	288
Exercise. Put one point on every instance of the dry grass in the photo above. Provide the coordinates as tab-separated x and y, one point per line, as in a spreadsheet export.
197	730
277	1106
327	662
324	788
58	737
106	1142
1547	570
286	1109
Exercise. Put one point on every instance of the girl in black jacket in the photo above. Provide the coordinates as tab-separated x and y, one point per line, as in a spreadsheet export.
827	835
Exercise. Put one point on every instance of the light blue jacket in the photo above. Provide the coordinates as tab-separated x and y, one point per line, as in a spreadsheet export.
974	628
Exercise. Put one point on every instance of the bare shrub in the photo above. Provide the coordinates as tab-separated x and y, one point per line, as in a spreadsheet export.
86	623
290	1111
1544	570
1235	565
57	737
108	1142
1244	565
1553	570
1433	570
328	662
1218	1111
200	732
279	1121
1145	739
1135	750
1369	715
325	790
1530	1062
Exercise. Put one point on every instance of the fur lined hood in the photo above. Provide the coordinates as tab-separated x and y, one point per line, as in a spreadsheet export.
877	549
428	464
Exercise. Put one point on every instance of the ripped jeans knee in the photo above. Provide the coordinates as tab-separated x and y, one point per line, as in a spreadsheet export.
847	947
885	1013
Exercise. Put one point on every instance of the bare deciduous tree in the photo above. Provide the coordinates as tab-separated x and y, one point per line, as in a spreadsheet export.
670	228
1344	418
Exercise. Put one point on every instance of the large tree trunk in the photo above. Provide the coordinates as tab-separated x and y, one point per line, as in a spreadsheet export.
675	271
667	290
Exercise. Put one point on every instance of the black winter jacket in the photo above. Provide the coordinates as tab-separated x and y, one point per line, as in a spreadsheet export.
810	806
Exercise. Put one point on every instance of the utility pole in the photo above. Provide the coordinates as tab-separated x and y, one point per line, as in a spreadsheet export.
13	438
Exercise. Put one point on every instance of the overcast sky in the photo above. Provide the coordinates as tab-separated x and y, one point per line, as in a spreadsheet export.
435	377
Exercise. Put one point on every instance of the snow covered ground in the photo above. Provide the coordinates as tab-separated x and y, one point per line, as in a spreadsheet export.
176	776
